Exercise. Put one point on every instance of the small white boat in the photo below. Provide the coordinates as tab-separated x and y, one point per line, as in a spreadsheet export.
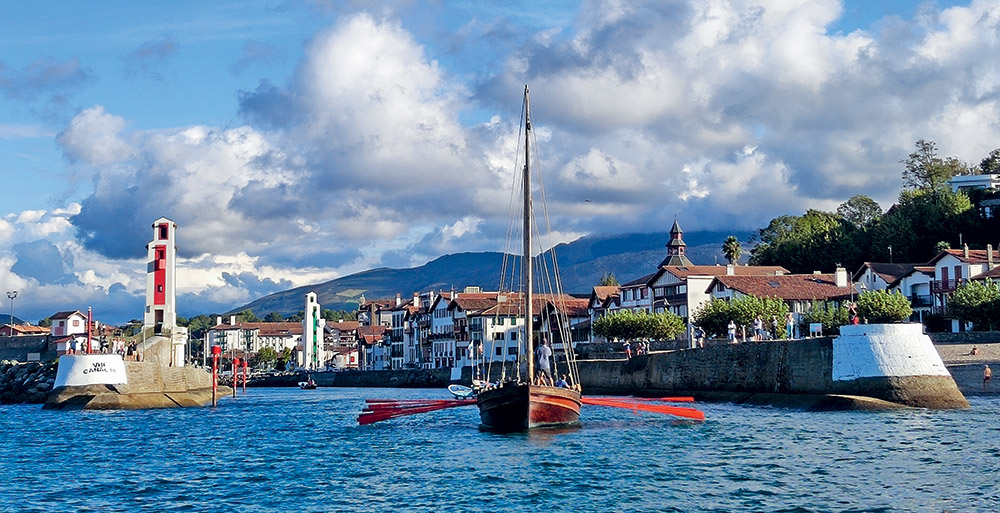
460	391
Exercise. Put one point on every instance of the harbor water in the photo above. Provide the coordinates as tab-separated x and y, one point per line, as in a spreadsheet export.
302	451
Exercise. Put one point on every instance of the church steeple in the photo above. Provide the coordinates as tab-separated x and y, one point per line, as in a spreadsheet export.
675	248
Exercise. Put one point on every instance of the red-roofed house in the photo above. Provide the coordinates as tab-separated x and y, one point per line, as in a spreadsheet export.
800	291
953	267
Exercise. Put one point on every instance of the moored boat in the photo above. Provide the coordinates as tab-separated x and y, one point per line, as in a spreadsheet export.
532	402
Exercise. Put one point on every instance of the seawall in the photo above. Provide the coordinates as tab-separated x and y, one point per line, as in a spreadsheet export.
865	365
102	382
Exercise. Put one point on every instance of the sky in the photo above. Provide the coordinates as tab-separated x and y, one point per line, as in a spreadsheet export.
297	141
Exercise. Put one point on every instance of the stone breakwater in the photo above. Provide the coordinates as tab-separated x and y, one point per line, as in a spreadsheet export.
26	382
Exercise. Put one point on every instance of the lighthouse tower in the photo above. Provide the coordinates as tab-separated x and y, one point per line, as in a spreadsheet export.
313	357
161	286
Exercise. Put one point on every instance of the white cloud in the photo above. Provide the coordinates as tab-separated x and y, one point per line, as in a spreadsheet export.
724	113
93	138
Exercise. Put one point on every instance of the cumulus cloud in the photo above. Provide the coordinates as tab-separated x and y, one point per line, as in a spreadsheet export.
377	150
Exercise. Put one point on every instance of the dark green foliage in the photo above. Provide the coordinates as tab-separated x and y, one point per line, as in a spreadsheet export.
802	244
731	249
608	280
714	316
265	357
924	170
880	307
977	302
861	211
274	317
831	316
629	325
199	324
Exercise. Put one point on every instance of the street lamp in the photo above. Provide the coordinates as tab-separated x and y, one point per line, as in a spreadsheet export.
11	295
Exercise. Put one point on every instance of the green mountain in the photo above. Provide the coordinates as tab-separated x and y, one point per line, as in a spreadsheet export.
582	263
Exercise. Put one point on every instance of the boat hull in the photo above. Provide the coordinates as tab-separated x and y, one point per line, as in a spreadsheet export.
524	407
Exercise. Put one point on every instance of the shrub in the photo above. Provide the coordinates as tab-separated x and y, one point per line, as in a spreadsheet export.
826	313
629	325
880	306
715	315
978	303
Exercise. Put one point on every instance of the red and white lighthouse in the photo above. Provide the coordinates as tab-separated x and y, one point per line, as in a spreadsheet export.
161	278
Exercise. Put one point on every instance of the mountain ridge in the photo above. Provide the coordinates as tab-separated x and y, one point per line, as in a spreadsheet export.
582	263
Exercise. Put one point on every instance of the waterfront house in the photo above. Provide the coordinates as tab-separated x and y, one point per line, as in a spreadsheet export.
603	298
952	268
677	286
68	323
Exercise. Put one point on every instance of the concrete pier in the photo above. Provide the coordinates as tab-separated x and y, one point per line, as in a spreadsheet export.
869	366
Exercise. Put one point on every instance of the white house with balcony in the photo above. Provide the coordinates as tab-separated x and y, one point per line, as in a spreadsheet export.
952	268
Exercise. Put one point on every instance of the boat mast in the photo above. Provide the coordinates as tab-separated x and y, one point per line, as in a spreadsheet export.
526	262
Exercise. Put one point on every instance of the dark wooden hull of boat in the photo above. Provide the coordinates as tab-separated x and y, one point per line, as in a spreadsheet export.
522	407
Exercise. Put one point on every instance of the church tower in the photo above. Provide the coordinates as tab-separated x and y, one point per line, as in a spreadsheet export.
161	280
675	248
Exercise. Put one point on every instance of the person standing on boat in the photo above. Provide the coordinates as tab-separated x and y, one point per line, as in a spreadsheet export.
544	369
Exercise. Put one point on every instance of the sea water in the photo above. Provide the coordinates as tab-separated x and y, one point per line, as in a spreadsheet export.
300	451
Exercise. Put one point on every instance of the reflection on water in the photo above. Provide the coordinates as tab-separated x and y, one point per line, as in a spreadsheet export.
286	449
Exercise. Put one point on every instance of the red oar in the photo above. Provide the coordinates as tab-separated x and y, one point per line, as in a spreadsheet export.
377	410
689	413
665	399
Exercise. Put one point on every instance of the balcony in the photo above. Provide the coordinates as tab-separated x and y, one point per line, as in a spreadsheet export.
921	300
943	286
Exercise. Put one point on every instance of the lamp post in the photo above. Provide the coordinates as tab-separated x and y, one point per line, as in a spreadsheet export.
11	295
890	254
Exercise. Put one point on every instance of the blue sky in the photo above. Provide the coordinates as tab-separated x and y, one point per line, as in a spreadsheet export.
297	141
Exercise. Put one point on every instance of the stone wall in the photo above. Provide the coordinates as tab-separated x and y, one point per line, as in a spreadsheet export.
969	337
773	367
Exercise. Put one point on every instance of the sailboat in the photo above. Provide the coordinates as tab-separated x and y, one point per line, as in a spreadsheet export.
533	402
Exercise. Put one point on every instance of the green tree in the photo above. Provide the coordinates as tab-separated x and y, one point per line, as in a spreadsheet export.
976	302
608	280
880	306
991	164
265	357
283	358
274	317
860	210
731	249
924	170
713	317
46	322
919	221
248	316
831	316
941	246
802	244
199	324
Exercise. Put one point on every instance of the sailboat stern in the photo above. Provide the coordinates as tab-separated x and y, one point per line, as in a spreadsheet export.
516	408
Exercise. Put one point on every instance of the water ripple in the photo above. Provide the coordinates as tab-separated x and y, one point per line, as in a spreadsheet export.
289	450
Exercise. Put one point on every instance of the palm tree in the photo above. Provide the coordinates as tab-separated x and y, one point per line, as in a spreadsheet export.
731	249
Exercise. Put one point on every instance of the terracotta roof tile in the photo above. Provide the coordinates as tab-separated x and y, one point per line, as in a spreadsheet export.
683	272
787	287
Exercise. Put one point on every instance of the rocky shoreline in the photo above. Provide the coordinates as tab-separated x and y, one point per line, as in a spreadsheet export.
26	382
